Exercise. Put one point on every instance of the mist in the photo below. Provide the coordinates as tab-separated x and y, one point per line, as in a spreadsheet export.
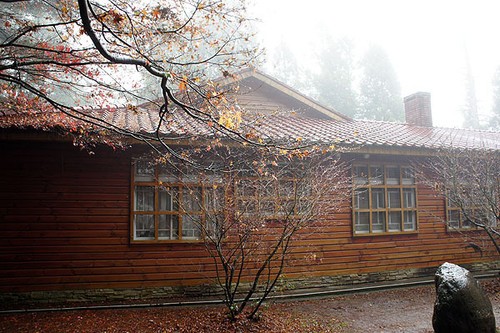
433	46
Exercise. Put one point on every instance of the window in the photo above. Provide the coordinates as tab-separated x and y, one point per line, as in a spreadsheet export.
272	198
168	207
454	217
384	199
460	211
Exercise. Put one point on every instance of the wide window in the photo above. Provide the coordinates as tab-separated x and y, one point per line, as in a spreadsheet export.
384	199
461	211
272	198
168	207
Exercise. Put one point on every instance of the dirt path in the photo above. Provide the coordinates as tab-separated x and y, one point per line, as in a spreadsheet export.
398	311
407	310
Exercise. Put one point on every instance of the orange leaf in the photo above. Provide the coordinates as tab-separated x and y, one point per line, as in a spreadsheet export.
182	86
156	13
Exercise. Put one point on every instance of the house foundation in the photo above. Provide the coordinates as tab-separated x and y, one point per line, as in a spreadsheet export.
206	292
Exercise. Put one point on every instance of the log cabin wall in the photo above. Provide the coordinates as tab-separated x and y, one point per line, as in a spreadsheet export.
64	225
337	251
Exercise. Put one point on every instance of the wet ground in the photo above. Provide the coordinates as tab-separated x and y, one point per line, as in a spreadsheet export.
402	310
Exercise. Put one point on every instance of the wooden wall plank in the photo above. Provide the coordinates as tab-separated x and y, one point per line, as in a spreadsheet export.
64	223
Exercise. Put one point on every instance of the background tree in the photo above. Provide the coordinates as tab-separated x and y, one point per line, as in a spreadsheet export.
93	53
494	122
471	117
334	81
283	65
255	212
470	182
380	92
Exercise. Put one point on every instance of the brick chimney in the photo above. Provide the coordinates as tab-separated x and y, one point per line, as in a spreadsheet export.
418	109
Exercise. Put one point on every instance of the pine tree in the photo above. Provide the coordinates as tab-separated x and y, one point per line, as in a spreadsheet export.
495	119
283	65
380	92
471	117
334	82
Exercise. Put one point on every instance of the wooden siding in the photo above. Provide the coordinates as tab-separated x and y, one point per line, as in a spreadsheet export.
64	224
256	96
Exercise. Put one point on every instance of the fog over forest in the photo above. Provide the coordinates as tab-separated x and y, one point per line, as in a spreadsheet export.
448	48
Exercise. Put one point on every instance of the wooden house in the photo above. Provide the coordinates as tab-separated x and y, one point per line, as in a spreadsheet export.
72	226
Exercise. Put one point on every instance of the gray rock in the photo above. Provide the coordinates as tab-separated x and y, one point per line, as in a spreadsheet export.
461	305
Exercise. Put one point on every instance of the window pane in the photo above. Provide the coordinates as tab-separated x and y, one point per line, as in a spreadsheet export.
376	175
361	199
484	216
410	220
304	207
214	198
144	171
378	198
169	199
408	176
246	188
361	174
362	222
191	226
168	174
191	199
466	223
492	219
215	224
409	198
392	175
168	227
247	207
304	188
289	207
267	207
144	227
286	188
395	221
394	198
267	187
454	218
378	221
144	198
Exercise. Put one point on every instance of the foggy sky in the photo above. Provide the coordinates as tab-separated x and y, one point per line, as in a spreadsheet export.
426	40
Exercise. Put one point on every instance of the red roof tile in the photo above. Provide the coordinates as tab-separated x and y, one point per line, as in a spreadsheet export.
367	133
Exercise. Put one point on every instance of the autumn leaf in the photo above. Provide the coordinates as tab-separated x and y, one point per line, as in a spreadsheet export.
155	13
231	120
182	85
136	38
65	10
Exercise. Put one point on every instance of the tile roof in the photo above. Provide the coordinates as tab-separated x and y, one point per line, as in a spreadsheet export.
291	127
387	134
